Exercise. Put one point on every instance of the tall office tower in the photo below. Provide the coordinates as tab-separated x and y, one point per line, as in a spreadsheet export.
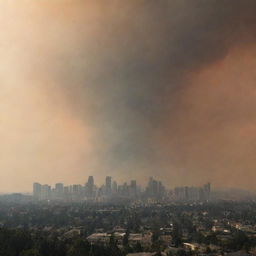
133	188
161	190
77	192
66	191
155	188
90	187
202	194
59	190
37	190
194	193
180	193
125	191
152	189
46	192
114	187
149	189
108	186
207	190
76	189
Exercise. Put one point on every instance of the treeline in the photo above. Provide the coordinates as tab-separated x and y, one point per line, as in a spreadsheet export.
21	242
17	242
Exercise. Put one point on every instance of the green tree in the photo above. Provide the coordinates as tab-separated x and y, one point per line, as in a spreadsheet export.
30	252
138	247
181	252
126	237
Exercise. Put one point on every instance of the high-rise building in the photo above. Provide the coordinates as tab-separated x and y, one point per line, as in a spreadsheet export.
155	188
90	187
133	188
66	191
193	193
59	190
181	193
46	192
114	187
108	186
125	190
37	190
76	189
207	190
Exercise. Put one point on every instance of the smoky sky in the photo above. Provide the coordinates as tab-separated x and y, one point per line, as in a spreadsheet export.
130	89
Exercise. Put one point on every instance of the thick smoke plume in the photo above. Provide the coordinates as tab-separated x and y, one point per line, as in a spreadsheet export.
130	89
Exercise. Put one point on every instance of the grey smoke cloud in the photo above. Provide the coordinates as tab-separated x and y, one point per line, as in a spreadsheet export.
124	70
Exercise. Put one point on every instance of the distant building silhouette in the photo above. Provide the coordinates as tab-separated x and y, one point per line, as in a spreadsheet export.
108	186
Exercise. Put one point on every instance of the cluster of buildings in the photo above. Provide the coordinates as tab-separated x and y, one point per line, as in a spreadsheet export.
154	190
193	193
110	189
174	229
144	238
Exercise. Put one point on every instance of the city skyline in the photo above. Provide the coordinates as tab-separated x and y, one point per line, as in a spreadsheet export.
97	183
112	190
